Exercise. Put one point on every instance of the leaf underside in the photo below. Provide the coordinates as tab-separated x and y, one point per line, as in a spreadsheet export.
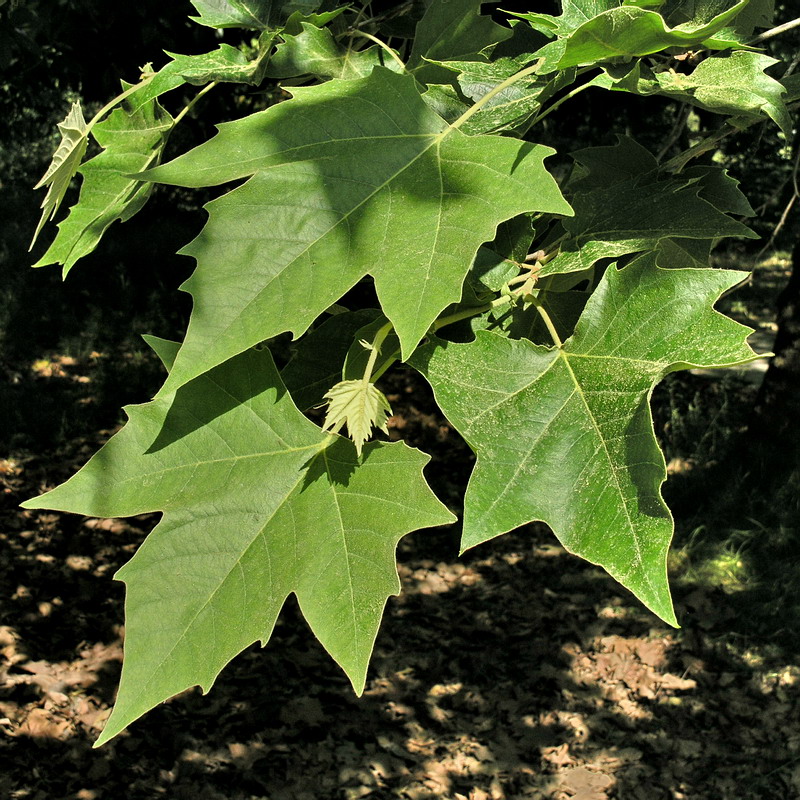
257	503
564	435
345	170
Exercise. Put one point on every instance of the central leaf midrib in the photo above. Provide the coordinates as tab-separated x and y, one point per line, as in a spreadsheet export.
565	358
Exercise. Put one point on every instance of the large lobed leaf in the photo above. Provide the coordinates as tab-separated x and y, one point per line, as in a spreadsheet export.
624	205
591	31
258	503
564	434
350	178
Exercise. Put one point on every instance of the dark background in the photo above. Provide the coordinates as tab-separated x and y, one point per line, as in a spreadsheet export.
71	355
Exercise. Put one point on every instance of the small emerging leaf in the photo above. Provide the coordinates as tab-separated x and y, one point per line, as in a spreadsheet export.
361	405
65	163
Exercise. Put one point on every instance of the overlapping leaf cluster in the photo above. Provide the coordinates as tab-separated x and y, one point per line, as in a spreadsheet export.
407	161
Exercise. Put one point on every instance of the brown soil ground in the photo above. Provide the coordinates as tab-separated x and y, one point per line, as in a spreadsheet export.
516	671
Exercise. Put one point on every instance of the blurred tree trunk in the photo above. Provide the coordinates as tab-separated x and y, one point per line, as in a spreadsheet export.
775	429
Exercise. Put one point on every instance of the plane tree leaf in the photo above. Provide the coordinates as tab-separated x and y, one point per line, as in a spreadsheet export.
735	84
513	105
636	211
66	160
343	172
226	64
315	51
451	30
621	30
361	406
564	434
249	14
257	503
132	138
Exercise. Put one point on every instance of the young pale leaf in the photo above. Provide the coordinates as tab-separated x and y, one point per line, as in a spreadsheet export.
65	163
733	84
258	503
361	406
565	435
349	178
314	51
132	140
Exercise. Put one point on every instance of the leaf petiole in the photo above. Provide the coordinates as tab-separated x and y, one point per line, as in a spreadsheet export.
380	44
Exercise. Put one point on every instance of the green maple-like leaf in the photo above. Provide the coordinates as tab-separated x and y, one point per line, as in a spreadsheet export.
451	30
349	178
249	14
565	435
132	139
226	64
595	31
514	104
258	503
735	84
315	51
65	163
622	205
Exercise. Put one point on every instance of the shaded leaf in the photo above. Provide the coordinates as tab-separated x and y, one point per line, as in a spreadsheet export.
515	103
451	30
319	356
565	435
315	51
258	503
349	178
635	213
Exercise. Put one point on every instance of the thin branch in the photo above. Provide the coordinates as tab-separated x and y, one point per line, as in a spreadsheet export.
560	101
501	87
680	123
551	328
787	26
786	211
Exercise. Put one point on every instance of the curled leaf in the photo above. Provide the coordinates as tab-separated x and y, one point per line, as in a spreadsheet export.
65	163
361	406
